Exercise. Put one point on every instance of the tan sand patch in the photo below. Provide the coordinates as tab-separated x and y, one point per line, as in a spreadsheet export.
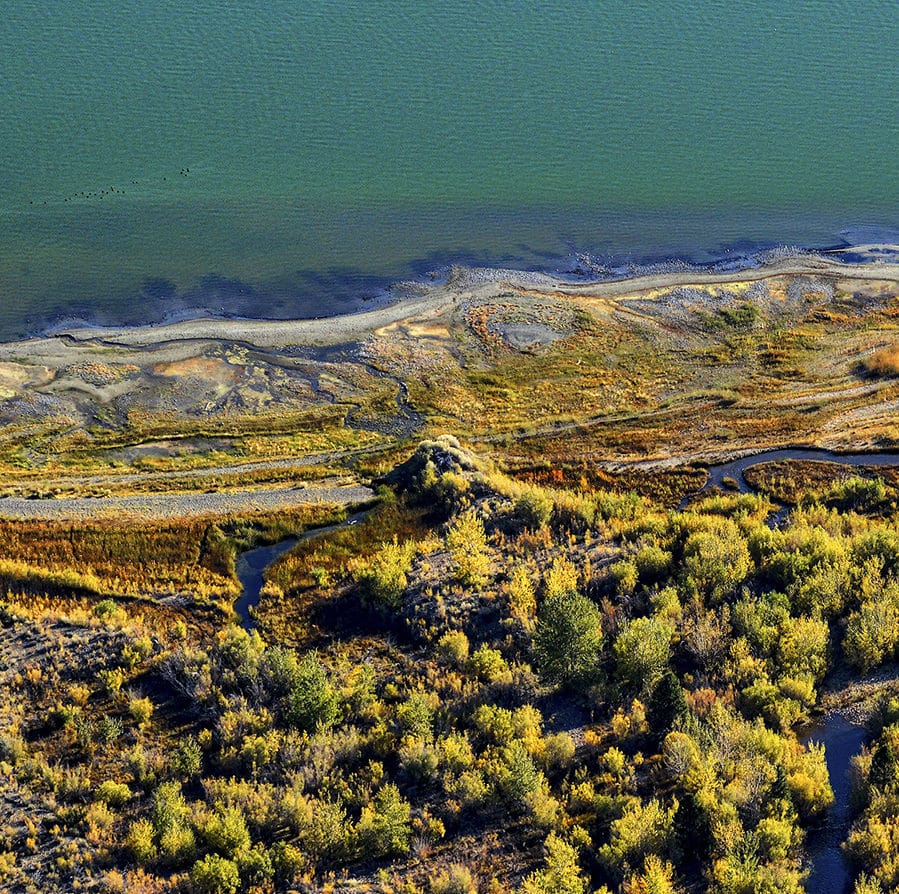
210	368
16	377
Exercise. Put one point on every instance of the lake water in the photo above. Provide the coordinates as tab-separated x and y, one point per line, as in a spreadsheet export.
285	158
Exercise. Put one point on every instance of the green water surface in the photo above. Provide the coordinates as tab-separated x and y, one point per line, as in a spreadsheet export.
147	145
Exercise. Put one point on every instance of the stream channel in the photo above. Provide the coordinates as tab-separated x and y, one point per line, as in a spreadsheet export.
251	566
830	873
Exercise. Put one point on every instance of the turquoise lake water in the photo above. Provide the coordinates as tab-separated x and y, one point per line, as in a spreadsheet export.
286	158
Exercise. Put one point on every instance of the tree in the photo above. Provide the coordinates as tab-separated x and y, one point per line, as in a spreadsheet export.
560	875
716	562
873	631
522	602
641	830
384	827
657	878
567	638
312	702
666	704
642	650
884	773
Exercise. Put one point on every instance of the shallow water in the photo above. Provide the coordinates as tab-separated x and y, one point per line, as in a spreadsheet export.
251	566
250	569
831	872
282	159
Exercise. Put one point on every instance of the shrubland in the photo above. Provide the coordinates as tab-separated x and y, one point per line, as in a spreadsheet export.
495	685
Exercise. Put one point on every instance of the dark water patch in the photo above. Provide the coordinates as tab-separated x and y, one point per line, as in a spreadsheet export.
250	569
252	564
831	872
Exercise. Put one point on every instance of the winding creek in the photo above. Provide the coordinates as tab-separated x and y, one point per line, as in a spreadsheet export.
830	872
252	564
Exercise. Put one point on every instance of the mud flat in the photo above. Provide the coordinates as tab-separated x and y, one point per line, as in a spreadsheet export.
433	300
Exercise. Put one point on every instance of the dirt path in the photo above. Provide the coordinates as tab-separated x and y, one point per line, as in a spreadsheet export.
165	506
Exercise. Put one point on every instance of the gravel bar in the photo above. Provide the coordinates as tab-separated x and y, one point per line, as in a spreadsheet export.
186	505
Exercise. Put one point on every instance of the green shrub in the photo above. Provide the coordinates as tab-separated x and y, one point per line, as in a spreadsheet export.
489	665
533	507
141	841
115	794
716	561
416	716
141	710
256	866
215	875
455	880
641	830
312	702
561	873
226	832
384	827
517	775
383	580
453	648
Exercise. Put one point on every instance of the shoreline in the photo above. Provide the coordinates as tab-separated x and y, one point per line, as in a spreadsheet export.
423	299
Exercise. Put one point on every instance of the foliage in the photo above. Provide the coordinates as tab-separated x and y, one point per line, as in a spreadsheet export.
215	875
560	875
642	650
466	541
383	578
568	638
384	828
312	701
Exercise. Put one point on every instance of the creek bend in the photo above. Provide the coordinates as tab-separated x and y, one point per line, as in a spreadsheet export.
251	566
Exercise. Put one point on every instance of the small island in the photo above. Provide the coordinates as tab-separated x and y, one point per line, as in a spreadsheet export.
520	583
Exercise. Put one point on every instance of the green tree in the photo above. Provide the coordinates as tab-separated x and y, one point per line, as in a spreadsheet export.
518	776
884	773
666	705
642	651
567	638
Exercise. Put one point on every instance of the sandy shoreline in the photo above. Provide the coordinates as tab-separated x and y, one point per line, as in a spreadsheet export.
463	281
